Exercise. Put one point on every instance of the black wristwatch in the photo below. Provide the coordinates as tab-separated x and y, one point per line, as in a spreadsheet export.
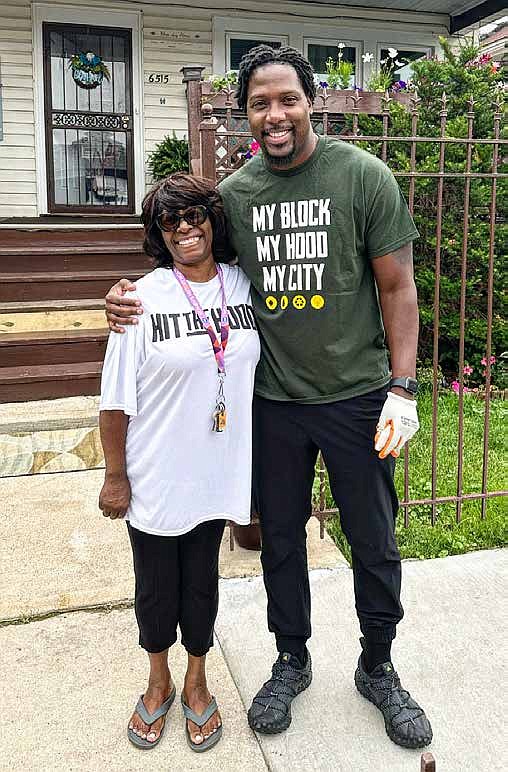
407	383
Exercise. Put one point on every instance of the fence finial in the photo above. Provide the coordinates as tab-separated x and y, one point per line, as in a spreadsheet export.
207	111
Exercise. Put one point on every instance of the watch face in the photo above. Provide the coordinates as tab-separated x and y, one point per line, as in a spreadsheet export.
411	385
408	384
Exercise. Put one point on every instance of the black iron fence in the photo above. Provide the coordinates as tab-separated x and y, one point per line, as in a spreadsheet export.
219	139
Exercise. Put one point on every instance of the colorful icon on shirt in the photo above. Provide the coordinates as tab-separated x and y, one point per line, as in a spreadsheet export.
299	302
317	301
271	303
284	302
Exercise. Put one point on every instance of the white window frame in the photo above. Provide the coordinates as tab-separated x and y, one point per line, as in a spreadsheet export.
282	39
356	44
423	50
405	47
225	29
66	14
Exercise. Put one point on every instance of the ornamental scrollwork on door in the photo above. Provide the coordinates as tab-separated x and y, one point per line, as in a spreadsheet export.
89	121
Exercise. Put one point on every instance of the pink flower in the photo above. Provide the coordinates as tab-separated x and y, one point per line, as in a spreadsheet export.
254	147
492	360
468	370
456	386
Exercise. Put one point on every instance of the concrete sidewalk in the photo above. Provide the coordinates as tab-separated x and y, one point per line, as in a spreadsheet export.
70	681
448	653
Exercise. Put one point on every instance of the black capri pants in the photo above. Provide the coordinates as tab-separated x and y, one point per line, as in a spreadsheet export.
177	583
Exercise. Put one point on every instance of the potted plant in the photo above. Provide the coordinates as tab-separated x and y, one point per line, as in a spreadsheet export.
171	155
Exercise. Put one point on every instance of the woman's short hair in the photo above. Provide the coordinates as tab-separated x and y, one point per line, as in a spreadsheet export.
178	192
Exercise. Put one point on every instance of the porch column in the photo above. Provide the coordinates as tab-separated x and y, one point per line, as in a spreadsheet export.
192	77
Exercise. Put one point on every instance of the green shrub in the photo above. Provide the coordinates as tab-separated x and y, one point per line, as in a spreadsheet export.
171	155
461	76
420	539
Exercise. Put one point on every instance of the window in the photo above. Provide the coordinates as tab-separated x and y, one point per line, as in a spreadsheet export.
238	46
319	51
406	56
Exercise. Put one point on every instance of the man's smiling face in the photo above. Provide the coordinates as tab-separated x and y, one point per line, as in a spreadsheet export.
279	115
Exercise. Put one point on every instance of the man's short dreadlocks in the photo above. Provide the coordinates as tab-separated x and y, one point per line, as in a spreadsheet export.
263	54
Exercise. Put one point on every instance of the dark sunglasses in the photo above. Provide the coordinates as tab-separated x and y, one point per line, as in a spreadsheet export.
170	221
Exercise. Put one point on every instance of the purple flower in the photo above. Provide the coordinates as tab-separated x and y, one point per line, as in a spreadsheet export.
323	84
357	88
399	85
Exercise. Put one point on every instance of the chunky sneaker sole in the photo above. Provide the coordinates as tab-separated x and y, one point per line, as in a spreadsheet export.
278	692
399	709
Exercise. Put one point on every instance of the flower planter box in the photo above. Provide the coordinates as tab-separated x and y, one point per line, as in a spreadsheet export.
337	102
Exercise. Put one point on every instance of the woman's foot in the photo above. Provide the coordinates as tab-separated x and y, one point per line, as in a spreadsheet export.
197	697
155	695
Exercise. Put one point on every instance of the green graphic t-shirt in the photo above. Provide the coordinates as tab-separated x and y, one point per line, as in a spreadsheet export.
305	237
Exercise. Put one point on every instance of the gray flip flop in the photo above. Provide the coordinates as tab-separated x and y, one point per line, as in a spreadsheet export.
201	721
150	718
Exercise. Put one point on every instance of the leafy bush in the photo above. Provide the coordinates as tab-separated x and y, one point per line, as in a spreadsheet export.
461	76
171	155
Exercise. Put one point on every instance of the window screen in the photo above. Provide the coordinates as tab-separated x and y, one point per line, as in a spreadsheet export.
240	46
403	72
317	55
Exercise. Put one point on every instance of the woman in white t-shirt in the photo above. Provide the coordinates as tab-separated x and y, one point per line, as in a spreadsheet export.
175	425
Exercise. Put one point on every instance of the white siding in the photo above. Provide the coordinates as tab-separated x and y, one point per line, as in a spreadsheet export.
173	36
17	151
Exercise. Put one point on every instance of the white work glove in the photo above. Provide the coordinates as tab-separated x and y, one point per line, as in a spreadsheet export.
397	423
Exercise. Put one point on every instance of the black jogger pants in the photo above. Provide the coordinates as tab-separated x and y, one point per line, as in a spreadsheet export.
287	437
177	583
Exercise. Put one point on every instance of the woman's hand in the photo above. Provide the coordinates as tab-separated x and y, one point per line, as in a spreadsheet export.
115	496
121	310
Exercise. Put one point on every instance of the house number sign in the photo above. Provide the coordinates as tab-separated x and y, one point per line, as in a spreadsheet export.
157	77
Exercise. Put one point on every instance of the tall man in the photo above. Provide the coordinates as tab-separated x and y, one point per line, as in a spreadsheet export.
322	231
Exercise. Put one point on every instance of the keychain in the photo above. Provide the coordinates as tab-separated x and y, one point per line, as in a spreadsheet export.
219	417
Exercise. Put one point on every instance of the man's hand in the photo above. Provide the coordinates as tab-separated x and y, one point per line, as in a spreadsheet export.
121	310
115	496
397	423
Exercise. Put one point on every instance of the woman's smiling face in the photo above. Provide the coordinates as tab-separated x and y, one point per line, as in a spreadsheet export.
190	245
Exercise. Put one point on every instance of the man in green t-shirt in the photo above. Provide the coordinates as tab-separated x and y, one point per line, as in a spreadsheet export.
322	231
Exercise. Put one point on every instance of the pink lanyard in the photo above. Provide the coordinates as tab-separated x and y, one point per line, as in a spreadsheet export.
218	348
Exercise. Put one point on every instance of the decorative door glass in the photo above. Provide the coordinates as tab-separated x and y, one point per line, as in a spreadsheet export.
88	105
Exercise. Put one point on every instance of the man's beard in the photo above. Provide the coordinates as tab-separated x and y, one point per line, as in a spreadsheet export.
279	160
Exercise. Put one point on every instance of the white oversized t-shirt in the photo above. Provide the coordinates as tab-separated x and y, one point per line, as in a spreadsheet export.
163	374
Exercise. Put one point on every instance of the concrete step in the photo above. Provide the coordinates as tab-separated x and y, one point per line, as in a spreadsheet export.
57	435
89	317
46	306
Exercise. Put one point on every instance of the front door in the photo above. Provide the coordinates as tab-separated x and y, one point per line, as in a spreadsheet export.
88	118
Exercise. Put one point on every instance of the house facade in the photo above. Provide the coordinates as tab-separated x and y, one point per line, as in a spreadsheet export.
89	88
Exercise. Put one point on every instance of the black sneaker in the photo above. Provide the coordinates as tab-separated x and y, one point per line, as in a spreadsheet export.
405	722
270	712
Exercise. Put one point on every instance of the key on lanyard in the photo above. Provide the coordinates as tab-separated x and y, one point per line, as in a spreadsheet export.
219	415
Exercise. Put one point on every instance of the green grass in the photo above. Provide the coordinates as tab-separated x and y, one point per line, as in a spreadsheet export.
421	539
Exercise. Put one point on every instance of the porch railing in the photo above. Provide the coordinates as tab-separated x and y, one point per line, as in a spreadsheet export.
219	137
